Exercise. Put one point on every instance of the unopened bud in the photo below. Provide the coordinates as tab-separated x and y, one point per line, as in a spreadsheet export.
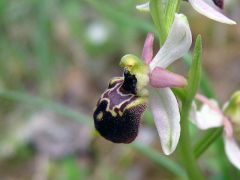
232	110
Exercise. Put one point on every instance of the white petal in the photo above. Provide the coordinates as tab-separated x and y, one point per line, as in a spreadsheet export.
143	7
166	115
207	117
177	43
232	150
206	10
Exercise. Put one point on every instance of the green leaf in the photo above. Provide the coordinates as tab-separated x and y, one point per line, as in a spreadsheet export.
208	138
157	13
188	157
120	17
194	75
180	93
205	85
45	103
170	13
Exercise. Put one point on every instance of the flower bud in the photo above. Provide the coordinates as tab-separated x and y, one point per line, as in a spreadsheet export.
232	110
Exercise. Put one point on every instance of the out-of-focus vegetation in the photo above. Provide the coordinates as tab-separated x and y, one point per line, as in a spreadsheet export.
56	57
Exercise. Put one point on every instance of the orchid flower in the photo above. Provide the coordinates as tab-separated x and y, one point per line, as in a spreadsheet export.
163	102
119	110
203	8
211	116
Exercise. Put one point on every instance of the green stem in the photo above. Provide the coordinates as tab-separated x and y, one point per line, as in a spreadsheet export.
186	150
178	5
185	141
161	22
203	144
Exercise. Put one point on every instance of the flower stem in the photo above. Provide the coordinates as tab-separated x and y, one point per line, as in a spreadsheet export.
185	141
186	150
163	24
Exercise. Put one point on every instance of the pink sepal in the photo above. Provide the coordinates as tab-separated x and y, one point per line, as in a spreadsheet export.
147	53
161	78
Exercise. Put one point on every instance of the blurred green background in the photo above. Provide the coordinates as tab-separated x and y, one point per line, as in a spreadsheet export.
56	57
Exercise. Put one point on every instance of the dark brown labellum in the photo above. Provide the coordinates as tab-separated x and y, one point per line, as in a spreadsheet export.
119	110
219	3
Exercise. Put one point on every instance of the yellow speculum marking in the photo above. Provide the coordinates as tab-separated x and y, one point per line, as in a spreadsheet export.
115	79
100	116
139	101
